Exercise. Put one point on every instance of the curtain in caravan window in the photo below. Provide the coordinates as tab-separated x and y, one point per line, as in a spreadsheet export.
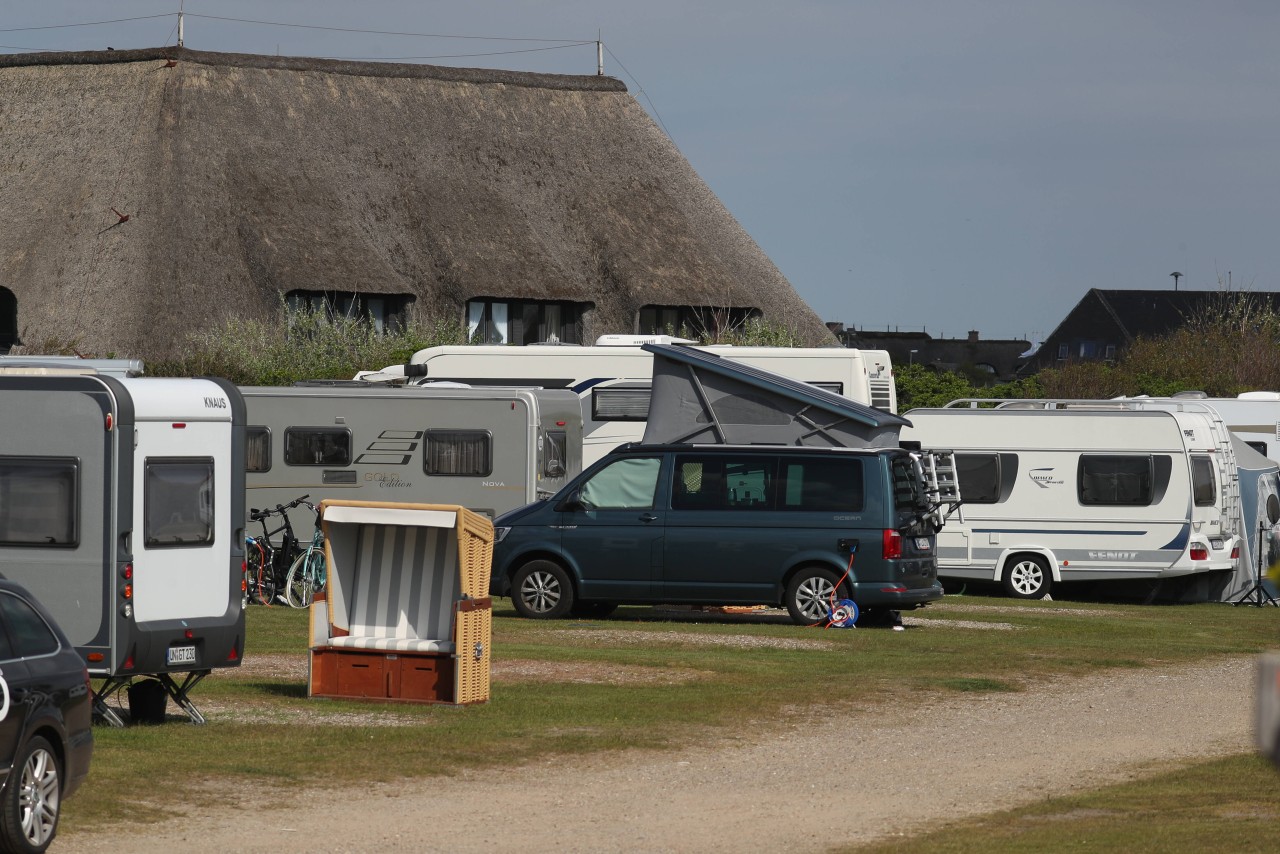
1115	481
38	501
257	449
458	452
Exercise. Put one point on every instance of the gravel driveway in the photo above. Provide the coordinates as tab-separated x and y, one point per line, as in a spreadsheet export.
827	781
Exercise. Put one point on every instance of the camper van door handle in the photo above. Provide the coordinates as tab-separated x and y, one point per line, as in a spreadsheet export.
648	517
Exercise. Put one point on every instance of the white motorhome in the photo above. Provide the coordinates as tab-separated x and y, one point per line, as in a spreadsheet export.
1059	491
613	378
122	510
1253	416
487	449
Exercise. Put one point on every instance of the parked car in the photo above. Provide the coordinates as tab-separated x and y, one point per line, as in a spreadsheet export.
726	525
46	712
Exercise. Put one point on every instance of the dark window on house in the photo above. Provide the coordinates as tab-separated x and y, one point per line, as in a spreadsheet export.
620	403
979	476
464	453
1110	353
317	446
29	635
1204	486
692	321
257	449
8	320
1119	481
384	312
503	321
38	501
1064	350
178	502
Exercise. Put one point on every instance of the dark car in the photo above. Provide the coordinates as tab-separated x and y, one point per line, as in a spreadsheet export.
46	715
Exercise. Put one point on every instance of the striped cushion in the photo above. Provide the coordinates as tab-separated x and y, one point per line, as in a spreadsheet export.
404	586
393	644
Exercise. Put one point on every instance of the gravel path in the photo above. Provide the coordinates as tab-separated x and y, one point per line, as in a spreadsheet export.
825	782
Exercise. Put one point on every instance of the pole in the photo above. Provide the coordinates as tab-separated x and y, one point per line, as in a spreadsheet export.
179	26
599	57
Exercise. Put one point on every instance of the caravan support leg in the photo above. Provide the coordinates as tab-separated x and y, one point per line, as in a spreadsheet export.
103	712
178	692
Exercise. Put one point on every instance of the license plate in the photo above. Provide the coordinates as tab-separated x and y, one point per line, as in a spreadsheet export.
922	543
182	655
1216	545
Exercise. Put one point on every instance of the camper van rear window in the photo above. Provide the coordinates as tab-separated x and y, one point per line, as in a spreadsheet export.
38	500
317	446
458	453
1120	481
257	449
178	502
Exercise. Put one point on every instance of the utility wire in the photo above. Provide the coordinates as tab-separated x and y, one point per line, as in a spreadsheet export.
372	32
652	107
454	55
85	24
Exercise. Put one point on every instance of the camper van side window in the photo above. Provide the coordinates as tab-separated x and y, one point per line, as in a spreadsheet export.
823	486
620	404
717	482
466	453
1203	483
979	476
257	449
317	446
1120	481
178	502
628	484
38	500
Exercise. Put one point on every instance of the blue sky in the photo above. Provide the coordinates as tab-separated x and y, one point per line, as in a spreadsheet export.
939	164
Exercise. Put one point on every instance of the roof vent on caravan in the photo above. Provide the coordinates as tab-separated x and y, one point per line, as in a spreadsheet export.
1260	395
637	340
1190	395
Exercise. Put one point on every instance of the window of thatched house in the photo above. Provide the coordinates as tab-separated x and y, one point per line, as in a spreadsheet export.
693	321
385	312
504	321
8	320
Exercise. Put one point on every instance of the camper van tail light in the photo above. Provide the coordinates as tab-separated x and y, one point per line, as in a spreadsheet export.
188	634
234	654
127	572
128	662
110	422
892	544
561	423
1199	552
96	657
893	590
1235	551
127	591
178	425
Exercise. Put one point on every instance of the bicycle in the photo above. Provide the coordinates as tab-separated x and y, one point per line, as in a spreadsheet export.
266	565
307	572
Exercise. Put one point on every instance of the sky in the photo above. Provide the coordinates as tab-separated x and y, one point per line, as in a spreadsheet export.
936	165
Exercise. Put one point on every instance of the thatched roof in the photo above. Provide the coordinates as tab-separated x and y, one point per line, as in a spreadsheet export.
245	177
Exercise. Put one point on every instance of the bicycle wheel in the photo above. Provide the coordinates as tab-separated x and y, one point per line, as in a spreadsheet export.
300	587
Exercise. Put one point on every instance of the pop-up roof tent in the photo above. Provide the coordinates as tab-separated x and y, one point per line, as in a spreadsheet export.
703	399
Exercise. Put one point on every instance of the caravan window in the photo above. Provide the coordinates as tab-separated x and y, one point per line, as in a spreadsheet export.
979	476
317	446
38	500
467	453
257	449
1203	483
178	502
555	453
620	403
1120	481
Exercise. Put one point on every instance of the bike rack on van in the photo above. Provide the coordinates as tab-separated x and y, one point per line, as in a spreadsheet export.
936	472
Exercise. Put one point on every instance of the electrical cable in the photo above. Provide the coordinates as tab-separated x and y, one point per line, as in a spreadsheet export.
652	106
373	32
84	24
454	55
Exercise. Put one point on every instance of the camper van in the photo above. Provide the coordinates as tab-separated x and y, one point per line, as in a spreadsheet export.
1065	491
487	449
121	508
613	378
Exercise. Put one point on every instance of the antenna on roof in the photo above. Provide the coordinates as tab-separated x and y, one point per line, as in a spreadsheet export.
180	5
599	53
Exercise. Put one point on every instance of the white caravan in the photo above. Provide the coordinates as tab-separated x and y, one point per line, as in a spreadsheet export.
122	510
488	449
1253	416
1086	493
613	378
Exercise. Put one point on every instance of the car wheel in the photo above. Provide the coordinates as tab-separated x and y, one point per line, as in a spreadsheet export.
809	594
541	590
593	609
32	798
1027	577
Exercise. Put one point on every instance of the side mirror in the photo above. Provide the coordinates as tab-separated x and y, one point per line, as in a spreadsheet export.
570	503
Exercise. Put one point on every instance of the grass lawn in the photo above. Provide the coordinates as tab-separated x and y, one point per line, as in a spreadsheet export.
642	678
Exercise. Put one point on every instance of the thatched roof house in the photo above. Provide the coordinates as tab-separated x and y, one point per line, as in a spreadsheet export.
515	200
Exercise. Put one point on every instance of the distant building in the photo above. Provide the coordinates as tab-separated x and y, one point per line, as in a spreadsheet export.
1105	322
997	359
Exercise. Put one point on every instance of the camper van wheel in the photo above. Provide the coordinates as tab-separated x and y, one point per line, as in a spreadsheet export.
593	609
1027	577
809	594
29	809
541	590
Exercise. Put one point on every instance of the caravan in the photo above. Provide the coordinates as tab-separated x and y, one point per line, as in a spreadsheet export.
487	449
1060	491
121	505
613	378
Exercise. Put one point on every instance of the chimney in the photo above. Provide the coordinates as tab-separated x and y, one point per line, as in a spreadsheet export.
973	336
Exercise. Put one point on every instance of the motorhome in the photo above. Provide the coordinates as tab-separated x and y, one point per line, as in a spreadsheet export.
1253	416
1068	491
487	449
121	510
613	378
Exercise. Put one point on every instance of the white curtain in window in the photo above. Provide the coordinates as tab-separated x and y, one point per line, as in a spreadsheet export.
500	321
475	316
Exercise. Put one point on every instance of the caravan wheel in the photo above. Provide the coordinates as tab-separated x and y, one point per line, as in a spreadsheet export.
1027	577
